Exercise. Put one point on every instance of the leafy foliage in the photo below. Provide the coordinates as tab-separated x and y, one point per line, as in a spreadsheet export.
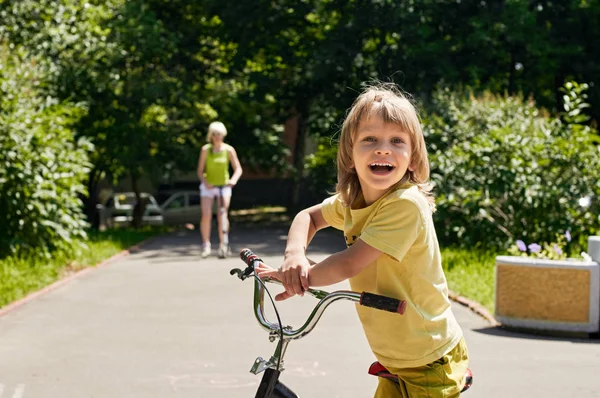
321	177
154	73
504	170
43	167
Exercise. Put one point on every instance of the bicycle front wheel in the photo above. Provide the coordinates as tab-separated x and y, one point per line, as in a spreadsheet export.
283	391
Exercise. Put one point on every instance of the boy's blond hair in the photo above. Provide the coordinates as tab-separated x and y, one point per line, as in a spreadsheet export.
215	128
393	107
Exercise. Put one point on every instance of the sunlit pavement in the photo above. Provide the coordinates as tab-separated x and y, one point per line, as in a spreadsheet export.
164	322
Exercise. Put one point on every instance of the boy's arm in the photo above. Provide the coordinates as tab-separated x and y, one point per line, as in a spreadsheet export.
335	268
343	265
294	270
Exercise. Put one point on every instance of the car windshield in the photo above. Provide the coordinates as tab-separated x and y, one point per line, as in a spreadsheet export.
129	199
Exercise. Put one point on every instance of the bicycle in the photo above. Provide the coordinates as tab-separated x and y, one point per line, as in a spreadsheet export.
270	386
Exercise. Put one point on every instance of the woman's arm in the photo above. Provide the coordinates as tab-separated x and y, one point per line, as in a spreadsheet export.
201	166
237	167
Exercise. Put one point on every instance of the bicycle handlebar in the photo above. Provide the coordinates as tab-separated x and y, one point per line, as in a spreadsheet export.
366	299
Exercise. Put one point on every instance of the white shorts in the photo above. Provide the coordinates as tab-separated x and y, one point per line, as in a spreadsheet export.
214	191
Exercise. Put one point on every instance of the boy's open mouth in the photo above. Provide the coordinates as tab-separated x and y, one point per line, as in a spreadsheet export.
381	167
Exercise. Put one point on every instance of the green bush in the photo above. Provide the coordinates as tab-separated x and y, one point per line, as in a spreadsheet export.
42	168
320	166
504	170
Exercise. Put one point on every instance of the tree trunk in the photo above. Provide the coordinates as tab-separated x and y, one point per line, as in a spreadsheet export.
91	200
140	205
559	81
299	155
511	72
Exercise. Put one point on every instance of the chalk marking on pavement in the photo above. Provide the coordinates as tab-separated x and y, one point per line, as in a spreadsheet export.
220	381
306	370
19	391
174	379
215	380
226	385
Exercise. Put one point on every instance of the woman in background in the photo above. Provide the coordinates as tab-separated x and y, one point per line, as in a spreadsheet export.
215	182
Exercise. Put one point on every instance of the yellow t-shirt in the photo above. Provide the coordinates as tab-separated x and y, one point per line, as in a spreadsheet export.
400	225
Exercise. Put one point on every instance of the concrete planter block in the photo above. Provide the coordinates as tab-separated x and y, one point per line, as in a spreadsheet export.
594	248
549	295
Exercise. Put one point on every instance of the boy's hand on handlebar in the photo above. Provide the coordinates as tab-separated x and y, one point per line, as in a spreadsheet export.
264	271
294	274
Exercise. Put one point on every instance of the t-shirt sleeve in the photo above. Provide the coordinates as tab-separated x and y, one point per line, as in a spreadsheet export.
394	228
333	212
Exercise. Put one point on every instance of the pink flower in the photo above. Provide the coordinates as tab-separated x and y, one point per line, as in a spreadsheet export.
557	249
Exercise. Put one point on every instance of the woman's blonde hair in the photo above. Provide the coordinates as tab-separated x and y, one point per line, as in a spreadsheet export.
215	128
387	101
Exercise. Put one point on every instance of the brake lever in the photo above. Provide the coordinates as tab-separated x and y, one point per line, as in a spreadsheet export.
242	274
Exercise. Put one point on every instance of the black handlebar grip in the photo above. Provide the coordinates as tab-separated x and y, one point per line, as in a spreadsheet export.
248	256
382	302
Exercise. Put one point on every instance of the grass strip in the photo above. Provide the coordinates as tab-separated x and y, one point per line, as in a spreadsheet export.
24	274
470	273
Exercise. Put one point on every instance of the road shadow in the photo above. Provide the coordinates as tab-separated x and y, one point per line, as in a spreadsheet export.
265	241
527	334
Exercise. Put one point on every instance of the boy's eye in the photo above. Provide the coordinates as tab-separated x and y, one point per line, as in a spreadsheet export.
397	140
370	139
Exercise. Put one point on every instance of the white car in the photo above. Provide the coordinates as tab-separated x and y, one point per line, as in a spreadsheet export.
118	210
182	208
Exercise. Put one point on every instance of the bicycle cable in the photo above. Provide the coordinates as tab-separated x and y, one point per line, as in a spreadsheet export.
276	314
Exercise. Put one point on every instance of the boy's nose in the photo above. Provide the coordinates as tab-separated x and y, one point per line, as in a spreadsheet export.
383	150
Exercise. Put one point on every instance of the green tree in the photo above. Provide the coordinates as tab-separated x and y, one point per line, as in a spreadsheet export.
137	74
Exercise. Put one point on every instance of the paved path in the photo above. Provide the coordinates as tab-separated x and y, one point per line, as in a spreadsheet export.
164	323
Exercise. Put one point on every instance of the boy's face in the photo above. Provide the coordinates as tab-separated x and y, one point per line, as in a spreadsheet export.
381	156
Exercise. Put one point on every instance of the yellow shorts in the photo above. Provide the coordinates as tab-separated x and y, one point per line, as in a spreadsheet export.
443	378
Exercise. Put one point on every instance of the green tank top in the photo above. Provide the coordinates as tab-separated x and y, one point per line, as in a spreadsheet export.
216	170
